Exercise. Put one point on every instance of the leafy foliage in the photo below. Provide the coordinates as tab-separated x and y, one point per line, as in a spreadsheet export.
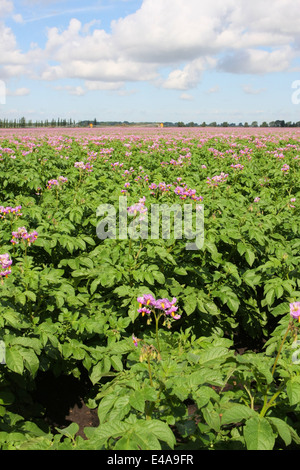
70	300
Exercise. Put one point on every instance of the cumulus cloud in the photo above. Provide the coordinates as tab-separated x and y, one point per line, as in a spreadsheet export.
6	7
214	89
186	97
18	92
189	76
248	89
187	37
72	90
257	61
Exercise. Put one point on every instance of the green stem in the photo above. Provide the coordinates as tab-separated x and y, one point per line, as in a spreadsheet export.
280	348
269	403
149	370
156	331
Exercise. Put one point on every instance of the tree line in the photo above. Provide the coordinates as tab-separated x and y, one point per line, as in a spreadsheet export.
23	123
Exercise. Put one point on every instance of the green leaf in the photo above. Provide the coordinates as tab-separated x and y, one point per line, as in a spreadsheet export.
116	363
96	373
237	413
270	297
106	404
159	277
258	434
70	430
212	418
131	441
14	360
250	257
181	271
160	429
190	304
293	390
31	360
30	295
282	428
120	409
233	303
137	400
149	278
281	309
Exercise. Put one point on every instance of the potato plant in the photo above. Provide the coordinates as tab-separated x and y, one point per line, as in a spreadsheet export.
156	326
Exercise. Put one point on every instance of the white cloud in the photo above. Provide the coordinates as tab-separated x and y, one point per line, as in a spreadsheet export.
248	89
6	8
18	18
186	97
188	37
98	85
72	90
214	89
189	76
18	92
258	61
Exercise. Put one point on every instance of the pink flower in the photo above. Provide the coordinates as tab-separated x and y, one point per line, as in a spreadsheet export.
295	310
167	306
22	233
5	263
146	299
144	311
10	210
285	167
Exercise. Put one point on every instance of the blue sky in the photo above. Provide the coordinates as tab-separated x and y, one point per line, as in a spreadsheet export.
150	60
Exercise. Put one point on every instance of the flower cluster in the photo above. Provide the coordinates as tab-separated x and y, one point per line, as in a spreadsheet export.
138	208
285	168
185	192
84	166
116	164
238	166
4	211
182	191
54	182
215	180
147	302
5	263
22	234
295	310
